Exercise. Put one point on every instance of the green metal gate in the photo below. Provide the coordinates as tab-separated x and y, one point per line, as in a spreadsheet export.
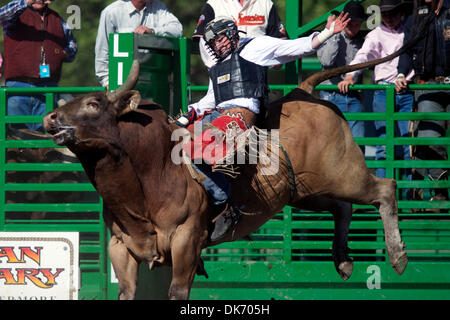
290	256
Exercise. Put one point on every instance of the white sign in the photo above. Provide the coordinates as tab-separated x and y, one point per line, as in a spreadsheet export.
118	54
39	265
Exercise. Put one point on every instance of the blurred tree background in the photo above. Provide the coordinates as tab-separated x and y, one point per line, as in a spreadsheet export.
81	71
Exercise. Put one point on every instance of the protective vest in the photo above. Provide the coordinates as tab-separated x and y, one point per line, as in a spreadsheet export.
23	46
238	78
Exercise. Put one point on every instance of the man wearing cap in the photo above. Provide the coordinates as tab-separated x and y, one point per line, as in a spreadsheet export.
430	59
380	42
37	41
338	51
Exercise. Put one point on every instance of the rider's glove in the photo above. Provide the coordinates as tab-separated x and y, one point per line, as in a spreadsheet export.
186	119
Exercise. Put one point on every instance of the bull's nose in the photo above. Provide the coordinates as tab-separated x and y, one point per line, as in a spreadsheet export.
50	119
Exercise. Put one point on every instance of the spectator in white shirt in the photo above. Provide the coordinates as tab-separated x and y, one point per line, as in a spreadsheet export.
137	16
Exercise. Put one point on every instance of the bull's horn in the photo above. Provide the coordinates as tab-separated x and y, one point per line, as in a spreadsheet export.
129	84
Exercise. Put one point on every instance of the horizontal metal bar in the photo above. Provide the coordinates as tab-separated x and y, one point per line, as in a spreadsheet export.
402	204
198	88
31	144
311	275
421	141
384	87
52	90
53	207
403	141
54	221
43	167
370	245
23	119
422	225
90	267
409	163
91	248
423	184
327	245
11	227
251	245
377	116
49	187
335	87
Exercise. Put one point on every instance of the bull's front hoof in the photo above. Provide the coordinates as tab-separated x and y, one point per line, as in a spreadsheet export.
345	269
400	263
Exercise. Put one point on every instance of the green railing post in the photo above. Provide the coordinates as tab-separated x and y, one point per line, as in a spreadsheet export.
390	131
287	234
182	68
49	101
293	17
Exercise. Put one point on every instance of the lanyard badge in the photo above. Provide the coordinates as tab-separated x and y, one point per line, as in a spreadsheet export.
44	69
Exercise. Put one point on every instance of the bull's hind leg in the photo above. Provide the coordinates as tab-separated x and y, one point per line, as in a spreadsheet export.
386	203
380	192
125	267
342	213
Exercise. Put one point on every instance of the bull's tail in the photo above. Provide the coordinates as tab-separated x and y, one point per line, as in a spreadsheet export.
311	82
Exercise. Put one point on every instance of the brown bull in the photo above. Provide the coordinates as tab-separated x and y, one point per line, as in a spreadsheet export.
159	214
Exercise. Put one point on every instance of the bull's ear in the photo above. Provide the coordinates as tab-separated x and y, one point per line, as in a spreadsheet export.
128	102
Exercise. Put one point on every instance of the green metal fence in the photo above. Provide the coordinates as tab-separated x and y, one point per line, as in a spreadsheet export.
290	256
287	258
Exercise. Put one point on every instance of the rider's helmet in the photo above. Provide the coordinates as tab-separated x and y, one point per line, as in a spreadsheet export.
214	29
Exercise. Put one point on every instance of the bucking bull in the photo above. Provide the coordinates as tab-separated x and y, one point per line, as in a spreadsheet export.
159	214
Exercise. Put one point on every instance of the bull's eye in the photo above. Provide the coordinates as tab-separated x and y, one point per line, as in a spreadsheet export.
92	107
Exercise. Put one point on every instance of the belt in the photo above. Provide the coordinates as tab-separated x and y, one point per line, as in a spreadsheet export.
440	79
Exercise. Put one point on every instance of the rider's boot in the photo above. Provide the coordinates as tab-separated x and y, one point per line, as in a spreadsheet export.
225	221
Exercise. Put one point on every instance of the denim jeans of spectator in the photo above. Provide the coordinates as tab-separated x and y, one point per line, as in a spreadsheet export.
21	105
432	101
347	103
403	103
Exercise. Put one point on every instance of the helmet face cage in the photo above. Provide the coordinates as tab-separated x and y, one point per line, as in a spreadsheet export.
219	27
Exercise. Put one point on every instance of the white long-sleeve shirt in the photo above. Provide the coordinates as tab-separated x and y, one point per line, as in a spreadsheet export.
264	51
122	16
